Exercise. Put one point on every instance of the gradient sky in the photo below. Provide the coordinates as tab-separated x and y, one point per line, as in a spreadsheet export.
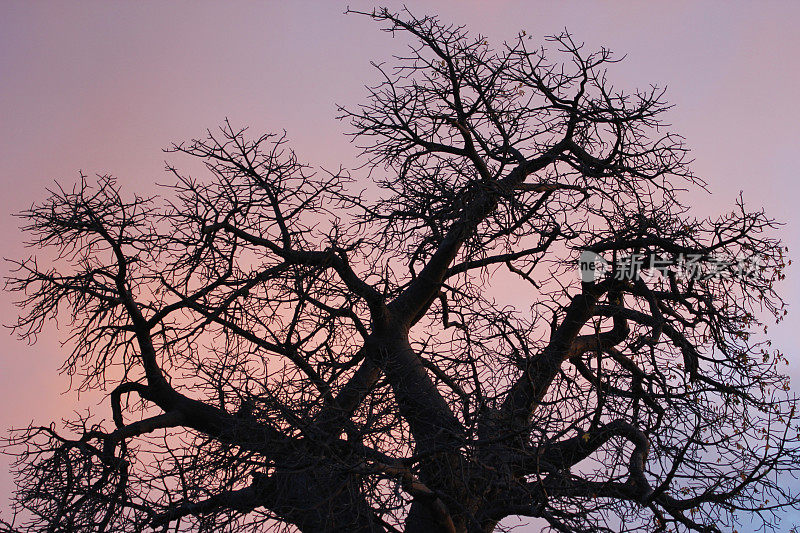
104	86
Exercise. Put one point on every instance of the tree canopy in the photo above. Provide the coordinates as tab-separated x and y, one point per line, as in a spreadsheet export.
286	349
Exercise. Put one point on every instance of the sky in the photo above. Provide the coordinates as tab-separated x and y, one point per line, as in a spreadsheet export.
102	87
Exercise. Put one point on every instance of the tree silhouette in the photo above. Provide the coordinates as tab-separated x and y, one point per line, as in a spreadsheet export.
283	350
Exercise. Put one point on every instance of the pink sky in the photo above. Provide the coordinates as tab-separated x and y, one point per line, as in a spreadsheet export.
103	86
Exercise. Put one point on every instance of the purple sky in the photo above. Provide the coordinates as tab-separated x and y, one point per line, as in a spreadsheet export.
103	86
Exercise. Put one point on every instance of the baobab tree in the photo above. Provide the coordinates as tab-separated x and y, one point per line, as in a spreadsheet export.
283	349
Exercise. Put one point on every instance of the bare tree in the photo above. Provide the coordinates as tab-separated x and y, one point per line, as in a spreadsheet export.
285	351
